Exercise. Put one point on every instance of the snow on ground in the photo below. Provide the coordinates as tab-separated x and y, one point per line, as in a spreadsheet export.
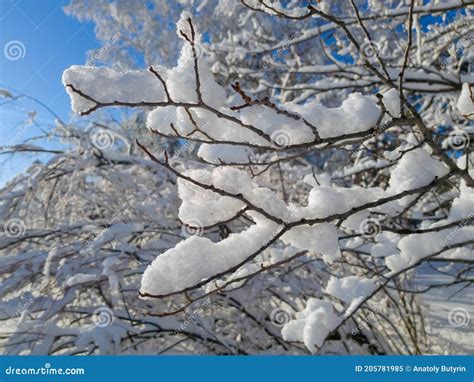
449	313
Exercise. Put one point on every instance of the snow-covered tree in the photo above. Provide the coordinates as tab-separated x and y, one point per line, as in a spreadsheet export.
334	167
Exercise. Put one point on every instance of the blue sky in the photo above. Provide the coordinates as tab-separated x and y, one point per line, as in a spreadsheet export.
48	42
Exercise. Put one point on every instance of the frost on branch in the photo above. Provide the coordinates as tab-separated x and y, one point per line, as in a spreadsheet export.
416	247
339	200
443	243
350	289
417	168
108	86
229	181
221	153
318	239
465	103
189	103
312	325
357	113
319	319
202	206
197	259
